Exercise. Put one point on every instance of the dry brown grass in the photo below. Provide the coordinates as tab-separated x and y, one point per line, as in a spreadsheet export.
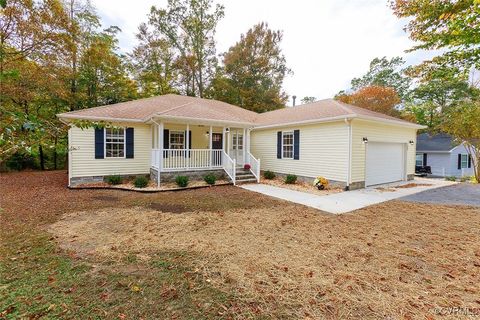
396	260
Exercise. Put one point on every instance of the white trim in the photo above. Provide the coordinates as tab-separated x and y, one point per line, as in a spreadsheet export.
349	165
293	144
124	143
339	118
69	155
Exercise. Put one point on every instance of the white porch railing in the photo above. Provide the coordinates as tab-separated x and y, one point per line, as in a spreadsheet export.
254	165
186	159
229	165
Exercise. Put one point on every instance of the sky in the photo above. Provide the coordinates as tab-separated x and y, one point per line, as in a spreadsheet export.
326	43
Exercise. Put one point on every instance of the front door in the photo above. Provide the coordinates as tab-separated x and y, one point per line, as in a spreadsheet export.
217	144
237	147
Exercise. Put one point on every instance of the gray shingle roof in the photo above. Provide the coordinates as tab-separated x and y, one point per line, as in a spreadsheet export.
439	142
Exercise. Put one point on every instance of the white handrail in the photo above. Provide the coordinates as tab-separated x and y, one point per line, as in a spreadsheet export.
254	165
189	159
229	165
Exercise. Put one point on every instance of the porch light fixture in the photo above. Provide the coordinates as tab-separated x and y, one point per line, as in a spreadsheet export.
365	140
411	142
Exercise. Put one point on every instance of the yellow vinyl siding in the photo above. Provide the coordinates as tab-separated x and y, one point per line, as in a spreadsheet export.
199	137
323	150
84	164
379	132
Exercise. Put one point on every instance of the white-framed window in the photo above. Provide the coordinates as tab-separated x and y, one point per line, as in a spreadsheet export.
177	139
237	141
464	161
114	143
287	145
419	159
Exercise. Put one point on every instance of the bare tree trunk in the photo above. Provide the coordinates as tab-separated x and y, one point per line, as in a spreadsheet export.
55	154
42	158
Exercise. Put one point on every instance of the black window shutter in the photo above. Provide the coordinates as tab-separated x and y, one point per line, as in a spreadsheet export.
469	160
459	161
166	139
279	145
129	143
99	143
189	141
166	142
296	144
424	159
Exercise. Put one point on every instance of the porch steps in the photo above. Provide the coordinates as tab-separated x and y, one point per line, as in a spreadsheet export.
244	176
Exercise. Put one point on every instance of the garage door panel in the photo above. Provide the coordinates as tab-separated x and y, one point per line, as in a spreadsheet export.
385	163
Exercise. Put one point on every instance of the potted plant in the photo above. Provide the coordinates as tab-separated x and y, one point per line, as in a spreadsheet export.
321	183
247	166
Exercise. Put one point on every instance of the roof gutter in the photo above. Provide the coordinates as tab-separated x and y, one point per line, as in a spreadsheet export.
304	122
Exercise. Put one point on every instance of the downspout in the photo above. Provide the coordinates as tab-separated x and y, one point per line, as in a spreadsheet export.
348	122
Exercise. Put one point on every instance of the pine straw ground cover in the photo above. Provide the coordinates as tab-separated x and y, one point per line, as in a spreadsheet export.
228	253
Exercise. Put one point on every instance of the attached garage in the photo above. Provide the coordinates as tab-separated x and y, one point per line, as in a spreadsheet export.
385	162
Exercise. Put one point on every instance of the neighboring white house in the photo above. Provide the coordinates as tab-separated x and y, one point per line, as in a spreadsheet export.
167	135
443	155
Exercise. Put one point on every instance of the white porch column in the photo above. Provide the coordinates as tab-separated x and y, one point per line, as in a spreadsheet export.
187	143
244	145
228	141
210	145
160	152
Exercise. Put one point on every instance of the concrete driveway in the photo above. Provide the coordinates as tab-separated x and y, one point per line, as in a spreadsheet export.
351	200
458	194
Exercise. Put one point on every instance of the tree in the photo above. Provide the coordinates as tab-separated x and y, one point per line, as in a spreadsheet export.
435	94
385	73
102	72
462	122
253	71
189	26
153	64
450	25
375	98
308	99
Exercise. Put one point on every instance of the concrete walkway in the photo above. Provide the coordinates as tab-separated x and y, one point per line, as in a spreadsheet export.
350	200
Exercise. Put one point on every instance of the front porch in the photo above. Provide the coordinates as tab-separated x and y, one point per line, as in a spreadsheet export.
184	148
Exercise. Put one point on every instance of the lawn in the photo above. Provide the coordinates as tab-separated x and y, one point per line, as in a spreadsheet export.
225	252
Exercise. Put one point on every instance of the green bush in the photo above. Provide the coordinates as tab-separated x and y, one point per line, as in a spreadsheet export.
451	178
115	179
140	182
290	179
182	181
465	178
269	175
210	178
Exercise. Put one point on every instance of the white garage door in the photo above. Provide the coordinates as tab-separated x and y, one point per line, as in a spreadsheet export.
385	163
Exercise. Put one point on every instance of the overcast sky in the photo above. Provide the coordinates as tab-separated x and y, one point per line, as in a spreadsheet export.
326	42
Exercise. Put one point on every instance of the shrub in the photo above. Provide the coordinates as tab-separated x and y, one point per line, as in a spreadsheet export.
269	175
246	166
182	181
210	178
466	179
115	179
140	182
290	179
451	178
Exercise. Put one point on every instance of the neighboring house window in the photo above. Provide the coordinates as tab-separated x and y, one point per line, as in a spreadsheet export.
177	140
419	159
287	145
114	142
464	161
